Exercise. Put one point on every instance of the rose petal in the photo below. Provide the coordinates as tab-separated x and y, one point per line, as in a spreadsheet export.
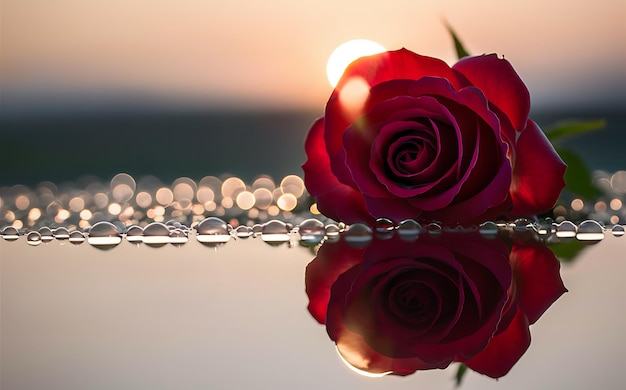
335	199
485	266
538	283
359	355
372	70
504	349
354	348
331	261
537	173
441	89
485	194
502	86
440	168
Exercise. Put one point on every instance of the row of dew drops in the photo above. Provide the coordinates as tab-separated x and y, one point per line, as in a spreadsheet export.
213	232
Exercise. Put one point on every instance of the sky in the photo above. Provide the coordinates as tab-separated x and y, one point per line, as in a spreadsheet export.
273	53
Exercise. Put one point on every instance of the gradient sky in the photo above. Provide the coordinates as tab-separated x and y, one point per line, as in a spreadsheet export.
273	53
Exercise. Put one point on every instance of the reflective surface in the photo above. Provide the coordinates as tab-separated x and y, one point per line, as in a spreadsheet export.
76	317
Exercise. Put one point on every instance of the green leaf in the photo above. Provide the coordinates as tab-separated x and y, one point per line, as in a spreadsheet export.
573	127
460	373
578	177
460	50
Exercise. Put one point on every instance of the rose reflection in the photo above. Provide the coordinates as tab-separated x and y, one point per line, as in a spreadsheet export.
396	307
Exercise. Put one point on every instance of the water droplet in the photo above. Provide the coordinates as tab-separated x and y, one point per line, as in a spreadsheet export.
10	233
358	235
212	231
434	229
172	224
243	231
384	225
104	235
46	234
257	228
618	230
544	227
275	232
33	238
566	229
590	230
522	224
156	234
332	232
134	234
61	233
178	237
488	229
409	229
311	232
77	237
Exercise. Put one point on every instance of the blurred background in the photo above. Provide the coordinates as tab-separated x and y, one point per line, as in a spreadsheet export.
195	88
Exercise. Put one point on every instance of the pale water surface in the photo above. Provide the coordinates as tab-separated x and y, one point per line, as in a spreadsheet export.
75	317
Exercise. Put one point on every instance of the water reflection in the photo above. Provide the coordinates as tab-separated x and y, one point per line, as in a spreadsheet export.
397	306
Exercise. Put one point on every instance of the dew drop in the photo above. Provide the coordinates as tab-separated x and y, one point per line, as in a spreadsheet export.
522	224
172	224
76	237
332	232
257	228
544	227
178	237
311	232
566	229
243	231
134	234
590	230
434	229
104	235
618	230
275	232
33	238
156	234
10	233
358	235
46	234
409	229
61	233
213	231
488	229
384	225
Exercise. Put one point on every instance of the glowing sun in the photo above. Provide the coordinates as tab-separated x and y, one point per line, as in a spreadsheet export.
346	53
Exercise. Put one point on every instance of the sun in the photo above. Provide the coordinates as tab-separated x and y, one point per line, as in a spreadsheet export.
346	53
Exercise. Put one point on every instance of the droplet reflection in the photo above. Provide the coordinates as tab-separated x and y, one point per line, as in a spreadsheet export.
212	231
275	232
104	235
590	231
156	234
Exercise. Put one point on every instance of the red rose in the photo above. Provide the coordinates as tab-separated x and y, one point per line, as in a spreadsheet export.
406	136
398	307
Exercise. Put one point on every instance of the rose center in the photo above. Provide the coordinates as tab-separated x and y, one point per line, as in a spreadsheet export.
414	299
411	153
